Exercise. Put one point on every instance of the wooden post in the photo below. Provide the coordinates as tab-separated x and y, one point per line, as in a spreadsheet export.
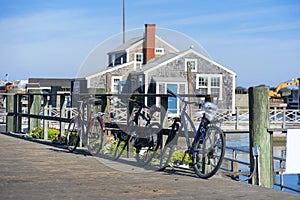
13	105
46	113
283	118
235	166
163	117
15	117
237	113
34	107
259	107
9	109
108	91
190	89
235	170
63	104
19	110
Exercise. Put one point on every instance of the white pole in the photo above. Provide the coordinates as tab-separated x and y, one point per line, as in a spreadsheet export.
124	39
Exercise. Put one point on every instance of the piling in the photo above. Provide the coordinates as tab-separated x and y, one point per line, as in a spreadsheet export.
163	117
10	108
259	107
34	108
190	89
62	111
45	113
108	91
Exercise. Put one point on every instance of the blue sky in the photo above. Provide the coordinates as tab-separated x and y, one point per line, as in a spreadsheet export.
257	39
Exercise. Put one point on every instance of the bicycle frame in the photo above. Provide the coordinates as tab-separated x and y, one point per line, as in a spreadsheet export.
98	116
84	123
183	117
138	113
207	149
137	135
197	133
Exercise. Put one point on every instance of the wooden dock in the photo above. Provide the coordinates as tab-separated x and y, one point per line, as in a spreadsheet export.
33	170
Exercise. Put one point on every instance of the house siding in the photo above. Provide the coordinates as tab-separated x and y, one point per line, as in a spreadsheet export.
99	81
176	69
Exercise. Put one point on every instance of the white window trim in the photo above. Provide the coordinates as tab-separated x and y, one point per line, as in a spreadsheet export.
112	82
209	76
189	60
136	55
165	92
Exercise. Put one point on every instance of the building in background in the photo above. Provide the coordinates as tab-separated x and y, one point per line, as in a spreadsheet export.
149	64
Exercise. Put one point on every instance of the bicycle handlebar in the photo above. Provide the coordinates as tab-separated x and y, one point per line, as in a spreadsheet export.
182	99
152	109
140	104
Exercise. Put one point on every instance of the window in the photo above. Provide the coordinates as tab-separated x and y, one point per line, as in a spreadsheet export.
139	57
115	83
159	51
209	84
202	85
192	63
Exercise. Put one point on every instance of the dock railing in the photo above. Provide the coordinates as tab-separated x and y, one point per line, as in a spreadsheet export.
237	166
23	108
22	112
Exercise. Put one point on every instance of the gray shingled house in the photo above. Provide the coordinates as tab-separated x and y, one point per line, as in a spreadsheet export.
152	65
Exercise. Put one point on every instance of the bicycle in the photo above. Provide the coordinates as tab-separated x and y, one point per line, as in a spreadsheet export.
145	140
207	149
91	132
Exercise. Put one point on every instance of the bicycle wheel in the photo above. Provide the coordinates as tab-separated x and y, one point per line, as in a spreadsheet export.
122	145
171	143
209	154
122	141
73	134
95	137
145	154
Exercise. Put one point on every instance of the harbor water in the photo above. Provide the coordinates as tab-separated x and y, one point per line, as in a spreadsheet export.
241	141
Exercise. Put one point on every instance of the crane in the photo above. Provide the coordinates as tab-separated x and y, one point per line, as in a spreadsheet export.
276	93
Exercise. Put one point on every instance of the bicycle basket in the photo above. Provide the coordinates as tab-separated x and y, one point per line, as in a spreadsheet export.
210	110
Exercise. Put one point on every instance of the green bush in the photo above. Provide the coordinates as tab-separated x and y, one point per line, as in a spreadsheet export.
53	133
36	133
178	156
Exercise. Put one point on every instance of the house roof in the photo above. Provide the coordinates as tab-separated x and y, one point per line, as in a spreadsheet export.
108	69
157	62
135	41
47	82
128	44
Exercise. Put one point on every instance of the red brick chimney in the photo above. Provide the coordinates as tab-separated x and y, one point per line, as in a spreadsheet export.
149	42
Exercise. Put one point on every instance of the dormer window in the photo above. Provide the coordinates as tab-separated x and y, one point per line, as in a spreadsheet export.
159	51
